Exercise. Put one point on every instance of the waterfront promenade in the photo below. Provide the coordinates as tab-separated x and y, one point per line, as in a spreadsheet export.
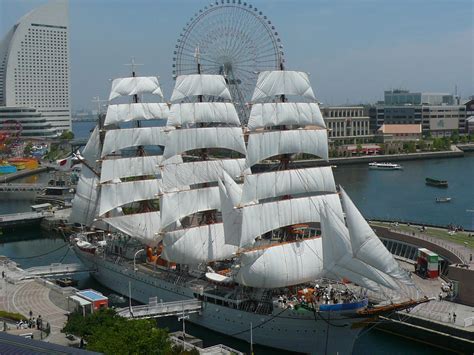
37	296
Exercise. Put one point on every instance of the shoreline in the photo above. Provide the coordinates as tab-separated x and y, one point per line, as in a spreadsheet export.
455	153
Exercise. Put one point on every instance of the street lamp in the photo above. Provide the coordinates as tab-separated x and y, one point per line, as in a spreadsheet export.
183	318
134	257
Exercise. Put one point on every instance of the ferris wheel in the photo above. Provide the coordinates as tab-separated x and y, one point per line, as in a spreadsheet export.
233	38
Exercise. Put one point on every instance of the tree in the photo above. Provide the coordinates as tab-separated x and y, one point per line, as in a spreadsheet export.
409	147
139	336
27	149
108	333
455	137
359	148
66	135
422	145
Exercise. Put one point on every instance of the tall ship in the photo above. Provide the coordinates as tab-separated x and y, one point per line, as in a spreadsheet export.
199	207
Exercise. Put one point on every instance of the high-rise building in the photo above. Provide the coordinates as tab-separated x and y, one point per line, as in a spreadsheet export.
34	66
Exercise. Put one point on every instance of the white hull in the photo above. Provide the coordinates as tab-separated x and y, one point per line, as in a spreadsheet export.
284	329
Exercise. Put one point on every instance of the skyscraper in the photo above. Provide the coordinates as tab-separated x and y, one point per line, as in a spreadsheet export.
34	66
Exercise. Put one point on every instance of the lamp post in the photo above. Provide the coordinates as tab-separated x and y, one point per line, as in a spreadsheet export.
134	258
183	318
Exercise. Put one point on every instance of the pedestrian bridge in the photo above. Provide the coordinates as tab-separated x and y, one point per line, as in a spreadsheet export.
53	270
163	309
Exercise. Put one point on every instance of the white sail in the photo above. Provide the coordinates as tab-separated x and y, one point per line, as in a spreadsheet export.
282	265
118	139
203	112
341	273
135	86
128	167
287	182
91	152
285	113
366	246
119	194
183	140
142	226
230	195
200	84
282	82
136	111
338	251
262	218
86	200
197	245
263	145
178	176
176	205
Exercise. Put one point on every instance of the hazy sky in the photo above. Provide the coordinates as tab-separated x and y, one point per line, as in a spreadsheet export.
354	49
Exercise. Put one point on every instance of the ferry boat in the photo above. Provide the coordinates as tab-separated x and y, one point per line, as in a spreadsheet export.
443	199
436	182
265	252
385	166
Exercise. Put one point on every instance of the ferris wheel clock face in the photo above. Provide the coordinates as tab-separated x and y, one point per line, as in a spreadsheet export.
231	38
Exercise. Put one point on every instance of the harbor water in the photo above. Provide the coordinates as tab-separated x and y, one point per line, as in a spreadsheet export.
400	195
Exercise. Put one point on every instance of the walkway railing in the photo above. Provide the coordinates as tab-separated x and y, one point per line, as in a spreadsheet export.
165	309
434	240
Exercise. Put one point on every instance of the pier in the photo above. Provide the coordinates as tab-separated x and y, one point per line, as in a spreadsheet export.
22	219
156	310
24	173
22	187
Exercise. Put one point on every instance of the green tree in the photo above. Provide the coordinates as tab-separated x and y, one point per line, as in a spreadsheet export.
422	144
27	149
455	137
66	135
108	333
409	147
139	336
359	148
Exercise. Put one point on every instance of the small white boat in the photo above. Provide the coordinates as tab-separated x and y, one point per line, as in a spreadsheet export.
385	166
443	199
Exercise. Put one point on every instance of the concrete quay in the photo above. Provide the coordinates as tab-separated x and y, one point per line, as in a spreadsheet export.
365	159
36	295
23	173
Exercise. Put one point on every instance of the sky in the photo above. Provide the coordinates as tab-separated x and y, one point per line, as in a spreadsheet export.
353	49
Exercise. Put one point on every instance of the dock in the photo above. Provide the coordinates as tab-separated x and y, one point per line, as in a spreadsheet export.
37	295
22	187
163	309
15	220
